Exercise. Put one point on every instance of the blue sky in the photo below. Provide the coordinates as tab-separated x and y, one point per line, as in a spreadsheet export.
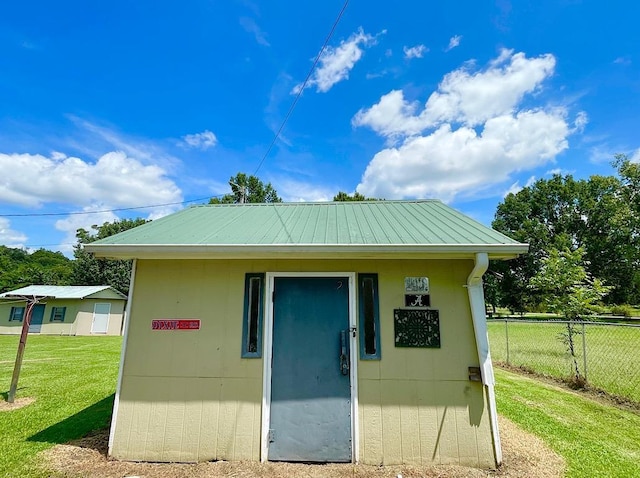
111	105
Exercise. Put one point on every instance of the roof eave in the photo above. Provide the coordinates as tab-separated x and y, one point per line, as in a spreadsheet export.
304	251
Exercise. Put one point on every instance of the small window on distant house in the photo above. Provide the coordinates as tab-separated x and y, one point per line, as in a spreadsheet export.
17	314
252	324
57	314
369	316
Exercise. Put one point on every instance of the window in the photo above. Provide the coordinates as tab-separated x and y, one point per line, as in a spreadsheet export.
252	323
17	314
369	321
57	314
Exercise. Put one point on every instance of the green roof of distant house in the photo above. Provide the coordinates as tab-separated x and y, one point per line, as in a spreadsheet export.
65	292
353	229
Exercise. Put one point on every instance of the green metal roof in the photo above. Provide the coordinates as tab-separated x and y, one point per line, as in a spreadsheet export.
64	292
310	229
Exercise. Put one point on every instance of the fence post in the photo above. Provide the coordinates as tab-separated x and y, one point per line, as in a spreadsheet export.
584	350
506	328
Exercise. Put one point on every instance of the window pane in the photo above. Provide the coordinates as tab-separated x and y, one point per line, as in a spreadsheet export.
369	319
252	318
17	313
254	314
57	314
369	316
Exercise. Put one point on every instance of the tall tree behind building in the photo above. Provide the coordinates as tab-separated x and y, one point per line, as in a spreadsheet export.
598	215
20	268
89	270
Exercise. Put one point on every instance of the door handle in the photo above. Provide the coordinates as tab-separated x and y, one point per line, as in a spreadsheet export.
344	352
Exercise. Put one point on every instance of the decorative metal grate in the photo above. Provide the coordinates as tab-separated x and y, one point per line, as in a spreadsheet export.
417	328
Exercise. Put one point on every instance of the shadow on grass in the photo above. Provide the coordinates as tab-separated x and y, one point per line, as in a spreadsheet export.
94	417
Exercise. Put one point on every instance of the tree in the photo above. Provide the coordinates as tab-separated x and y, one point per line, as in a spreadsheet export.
19	268
568	289
356	196
88	270
564	213
247	189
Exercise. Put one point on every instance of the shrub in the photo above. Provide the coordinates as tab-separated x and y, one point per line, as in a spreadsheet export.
624	310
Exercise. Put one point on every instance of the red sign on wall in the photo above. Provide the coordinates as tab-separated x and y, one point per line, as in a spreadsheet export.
175	324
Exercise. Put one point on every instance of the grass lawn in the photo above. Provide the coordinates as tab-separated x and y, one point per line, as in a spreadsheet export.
72	379
609	350
594	439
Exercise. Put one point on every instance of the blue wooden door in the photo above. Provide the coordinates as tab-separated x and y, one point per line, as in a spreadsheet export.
310	380
37	314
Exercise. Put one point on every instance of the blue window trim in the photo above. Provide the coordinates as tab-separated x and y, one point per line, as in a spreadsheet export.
255	311
13	316
364	328
53	314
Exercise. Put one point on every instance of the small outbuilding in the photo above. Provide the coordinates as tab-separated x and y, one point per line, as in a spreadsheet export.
64	310
312	332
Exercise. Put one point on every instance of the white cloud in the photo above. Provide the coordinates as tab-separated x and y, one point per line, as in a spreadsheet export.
71	224
252	27
471	135
462	96
300	191
635	156
448	163
454	41
560	171
102	139
465	97
10	237
417	51
515	188
601	153
580	122
115	180
204	140
622	60
336	63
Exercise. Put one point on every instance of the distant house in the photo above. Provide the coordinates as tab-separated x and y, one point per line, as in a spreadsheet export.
64	310
313	332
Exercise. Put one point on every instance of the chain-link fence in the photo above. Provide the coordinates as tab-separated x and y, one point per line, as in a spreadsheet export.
606	355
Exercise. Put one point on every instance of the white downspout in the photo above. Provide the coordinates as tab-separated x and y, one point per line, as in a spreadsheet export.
478	315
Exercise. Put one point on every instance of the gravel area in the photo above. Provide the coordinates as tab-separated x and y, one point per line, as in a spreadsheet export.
524	455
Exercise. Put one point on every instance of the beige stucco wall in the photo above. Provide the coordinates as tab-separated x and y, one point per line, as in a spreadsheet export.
77	320
189	396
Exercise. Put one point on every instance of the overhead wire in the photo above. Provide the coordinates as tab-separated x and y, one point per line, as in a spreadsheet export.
264	157
75	213
304	84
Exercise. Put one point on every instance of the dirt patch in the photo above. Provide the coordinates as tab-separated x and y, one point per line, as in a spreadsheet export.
523	455
17	403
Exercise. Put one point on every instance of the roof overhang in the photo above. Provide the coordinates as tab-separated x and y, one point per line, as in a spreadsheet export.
305	251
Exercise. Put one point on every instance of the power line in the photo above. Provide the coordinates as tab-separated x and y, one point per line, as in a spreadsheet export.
76	213
264	157
304	84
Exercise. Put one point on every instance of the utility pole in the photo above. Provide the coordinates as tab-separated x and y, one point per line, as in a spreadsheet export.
31	302
243	192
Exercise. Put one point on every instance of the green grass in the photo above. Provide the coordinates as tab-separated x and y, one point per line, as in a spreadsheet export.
610	350
73	380
594	439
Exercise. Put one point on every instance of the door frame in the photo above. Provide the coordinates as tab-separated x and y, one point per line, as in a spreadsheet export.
268	357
